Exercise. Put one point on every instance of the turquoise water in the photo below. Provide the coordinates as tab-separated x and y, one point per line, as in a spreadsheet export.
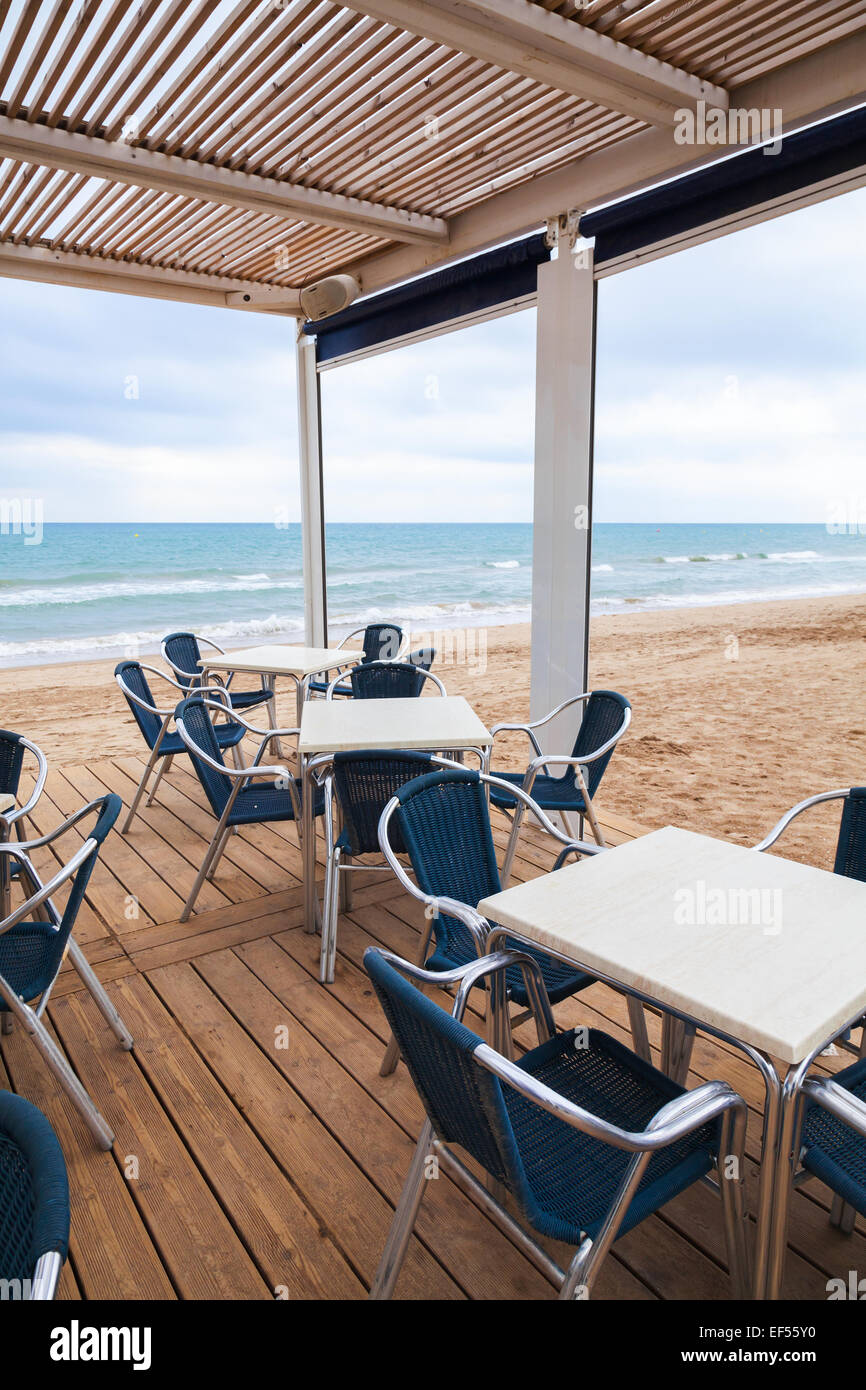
102	590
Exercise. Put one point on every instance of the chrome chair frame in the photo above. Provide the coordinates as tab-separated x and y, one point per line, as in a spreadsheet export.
18	814
166	715
368	665
478	925
543	762
240	776
30	1017
713	1100
195	686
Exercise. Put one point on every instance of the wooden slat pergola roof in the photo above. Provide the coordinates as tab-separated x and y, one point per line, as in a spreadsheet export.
192	150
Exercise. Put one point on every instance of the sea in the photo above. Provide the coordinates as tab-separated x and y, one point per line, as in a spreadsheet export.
80	591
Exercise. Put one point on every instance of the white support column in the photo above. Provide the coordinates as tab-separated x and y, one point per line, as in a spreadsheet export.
564	393
312	494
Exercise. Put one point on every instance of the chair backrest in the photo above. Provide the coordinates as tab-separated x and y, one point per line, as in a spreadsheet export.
386	680
444	822
132	675
52	946
183	652
34	1191
11	759
198	725
108	808
851	845
382	642
423	657
602	716
365	783
463	1100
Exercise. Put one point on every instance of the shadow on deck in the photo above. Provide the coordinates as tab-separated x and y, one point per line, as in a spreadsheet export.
258	1152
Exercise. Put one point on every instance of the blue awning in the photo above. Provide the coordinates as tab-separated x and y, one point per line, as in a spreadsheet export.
733	185
468	287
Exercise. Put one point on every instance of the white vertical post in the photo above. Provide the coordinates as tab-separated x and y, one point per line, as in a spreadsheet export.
312	494
562	508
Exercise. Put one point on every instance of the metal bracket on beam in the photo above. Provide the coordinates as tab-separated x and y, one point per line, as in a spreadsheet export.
564	230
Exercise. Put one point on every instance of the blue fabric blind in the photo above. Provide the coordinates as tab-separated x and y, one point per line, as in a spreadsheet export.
731	186
496	277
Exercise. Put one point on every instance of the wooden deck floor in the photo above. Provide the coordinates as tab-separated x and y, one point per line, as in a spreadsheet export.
258	1151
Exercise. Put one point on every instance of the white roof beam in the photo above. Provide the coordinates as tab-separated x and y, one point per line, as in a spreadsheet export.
131	164
523	38
42	264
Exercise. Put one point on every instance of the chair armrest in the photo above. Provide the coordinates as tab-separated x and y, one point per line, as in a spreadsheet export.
16	812
45	890
466	976
516	728
831	1096
522	794
781	825
679	1117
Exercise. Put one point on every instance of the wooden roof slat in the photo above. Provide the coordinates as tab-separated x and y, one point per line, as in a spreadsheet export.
259	70
50	30
18	39
323	56
82	99
161	19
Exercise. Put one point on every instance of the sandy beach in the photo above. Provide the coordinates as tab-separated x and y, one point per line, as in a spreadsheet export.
739	711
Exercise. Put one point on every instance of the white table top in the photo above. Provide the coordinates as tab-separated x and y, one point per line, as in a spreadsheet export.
277	660
434	722
768	951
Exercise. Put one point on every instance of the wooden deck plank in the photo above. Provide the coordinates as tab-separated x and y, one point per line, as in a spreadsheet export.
191	1232
235	1036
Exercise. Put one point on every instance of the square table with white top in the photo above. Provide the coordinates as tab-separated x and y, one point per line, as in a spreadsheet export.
297	663
768	954
447	724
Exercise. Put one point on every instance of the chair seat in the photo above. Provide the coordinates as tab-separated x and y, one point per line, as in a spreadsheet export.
247	699
560	980
833	1151
29	957
228	735
572	1178
320	688
551	793
265	801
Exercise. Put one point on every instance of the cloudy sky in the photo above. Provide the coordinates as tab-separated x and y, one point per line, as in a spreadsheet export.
730	388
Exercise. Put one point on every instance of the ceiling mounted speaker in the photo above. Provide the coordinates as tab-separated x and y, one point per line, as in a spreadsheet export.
329	296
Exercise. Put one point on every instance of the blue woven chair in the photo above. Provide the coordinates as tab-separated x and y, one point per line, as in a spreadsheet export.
586	1138
386	680
443	822
423	657
182	652
850	855
235	796
34	1201
32	952
363	784
605	719
13	748
382	642
153	723
850	861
